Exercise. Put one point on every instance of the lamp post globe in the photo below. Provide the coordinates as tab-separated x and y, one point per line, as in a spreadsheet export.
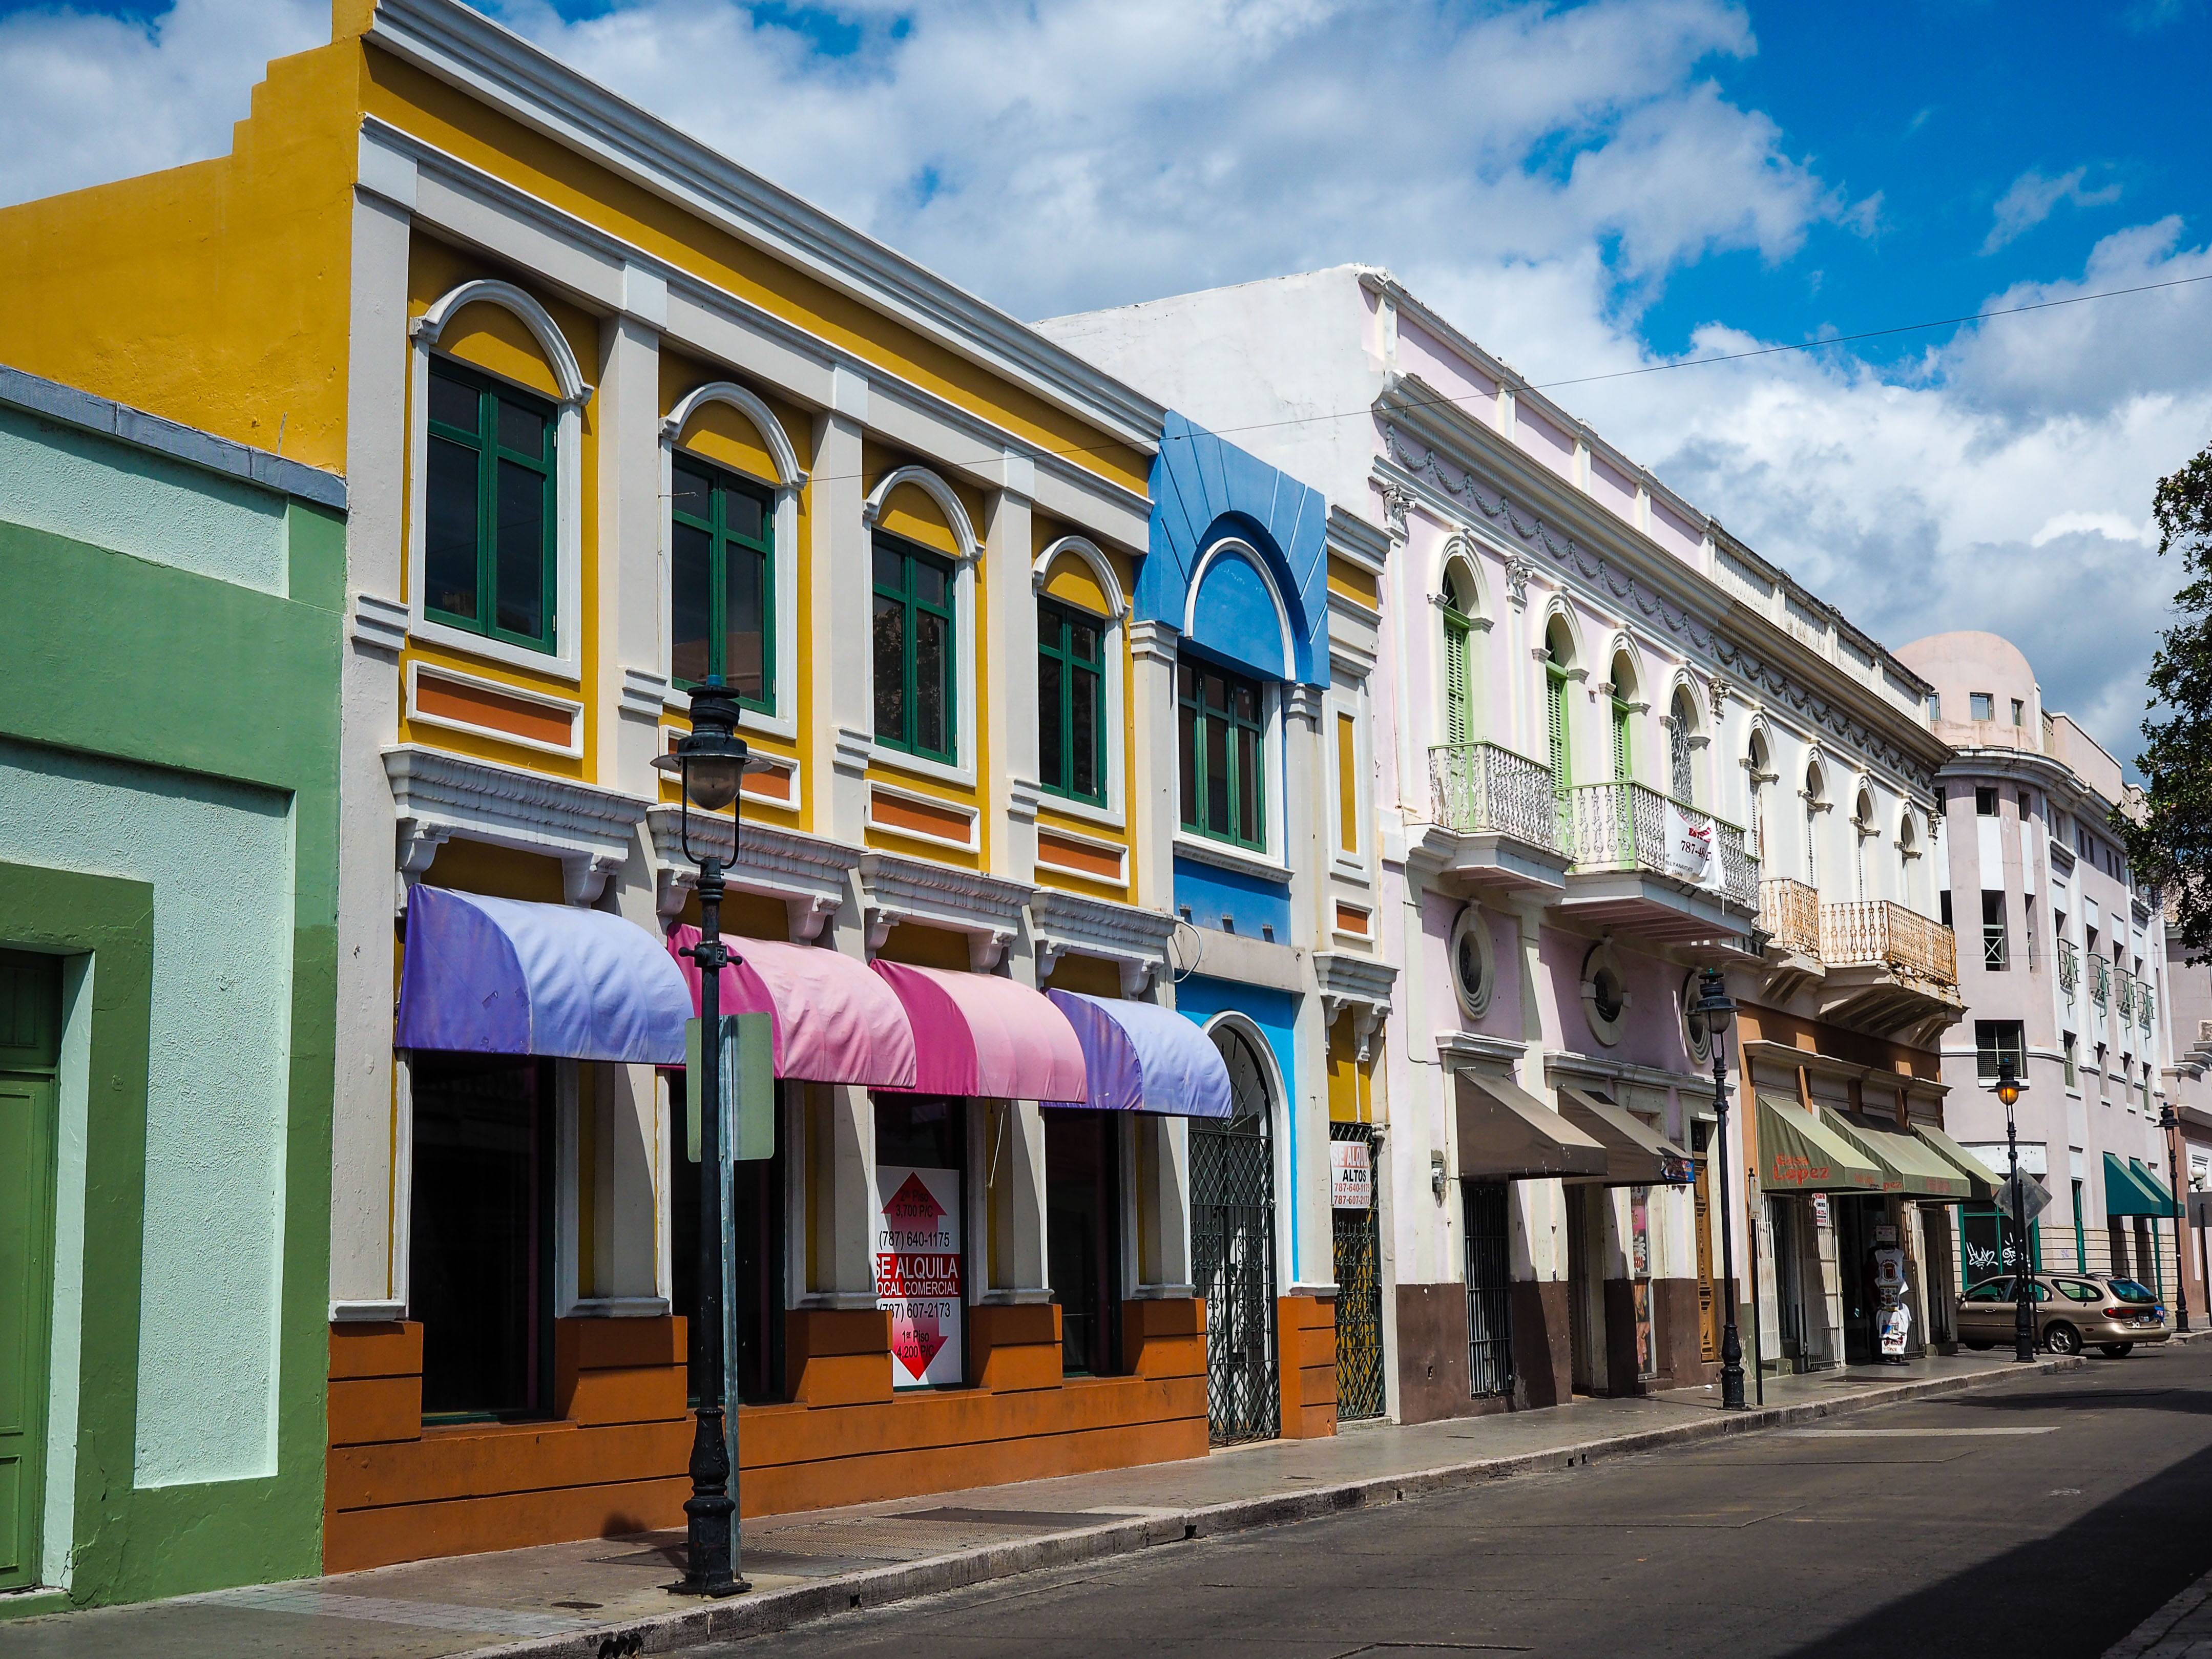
1716	1008
710	761
2008	1087
2170	1120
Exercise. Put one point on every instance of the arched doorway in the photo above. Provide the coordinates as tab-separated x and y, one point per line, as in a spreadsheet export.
1232	1242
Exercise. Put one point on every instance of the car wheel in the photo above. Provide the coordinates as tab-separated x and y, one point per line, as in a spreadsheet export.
1981	1347
2062	1339
2116	1350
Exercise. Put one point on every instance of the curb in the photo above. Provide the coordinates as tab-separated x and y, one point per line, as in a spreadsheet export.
771	1611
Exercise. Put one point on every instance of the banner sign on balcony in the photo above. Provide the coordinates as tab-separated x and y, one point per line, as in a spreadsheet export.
1690	854
918	1272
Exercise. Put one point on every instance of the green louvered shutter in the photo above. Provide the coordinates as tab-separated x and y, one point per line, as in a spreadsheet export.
1458	680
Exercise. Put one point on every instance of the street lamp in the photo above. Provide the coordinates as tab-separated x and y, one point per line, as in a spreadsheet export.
710	759
2023	1317
1714	1007
2170	1120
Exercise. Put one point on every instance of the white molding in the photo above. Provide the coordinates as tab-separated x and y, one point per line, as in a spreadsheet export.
986	909
565	660
783	544
490	63
1237	547
812	877
438	796
975	816
368	1313
1112	647
417	669
644	693
964	731
932	483
1477	1051
378	624
1119	849
1134	939
1223	856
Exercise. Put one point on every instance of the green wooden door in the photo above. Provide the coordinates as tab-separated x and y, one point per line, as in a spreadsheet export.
30	1022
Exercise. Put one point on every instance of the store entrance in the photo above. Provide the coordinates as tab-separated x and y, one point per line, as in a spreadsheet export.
1856	1220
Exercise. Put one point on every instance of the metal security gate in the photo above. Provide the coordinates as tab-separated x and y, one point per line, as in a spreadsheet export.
1232	1242
1489	1289
1359	1298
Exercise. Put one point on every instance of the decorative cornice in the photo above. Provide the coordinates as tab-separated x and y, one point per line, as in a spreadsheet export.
438	795
1133	939
378	624
644	693
1501	515
1477	1051
812	877
1361	983
493	64
852	752
986	909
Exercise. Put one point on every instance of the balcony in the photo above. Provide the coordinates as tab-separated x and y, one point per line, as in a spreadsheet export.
2069	968
1496	819
1789	915
2100	983
1651	866
1890	970
2127	995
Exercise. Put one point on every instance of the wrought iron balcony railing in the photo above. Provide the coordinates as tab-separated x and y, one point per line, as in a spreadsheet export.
1623	826
1790	912
2100	983
1883	934
2070	967
2126	999
1484	788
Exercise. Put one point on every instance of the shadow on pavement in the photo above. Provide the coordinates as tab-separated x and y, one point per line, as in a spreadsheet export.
2071	1596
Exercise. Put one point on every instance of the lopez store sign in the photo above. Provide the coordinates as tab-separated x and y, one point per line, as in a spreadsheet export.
918	1272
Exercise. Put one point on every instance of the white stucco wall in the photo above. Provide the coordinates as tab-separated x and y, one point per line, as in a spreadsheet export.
219	860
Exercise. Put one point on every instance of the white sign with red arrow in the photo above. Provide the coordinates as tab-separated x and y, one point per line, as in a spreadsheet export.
918	1272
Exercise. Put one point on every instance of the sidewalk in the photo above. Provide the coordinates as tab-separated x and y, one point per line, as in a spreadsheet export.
607	1597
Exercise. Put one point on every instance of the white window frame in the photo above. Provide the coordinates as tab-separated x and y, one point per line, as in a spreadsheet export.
1271	863
565	660
1115	815
790	479
934	485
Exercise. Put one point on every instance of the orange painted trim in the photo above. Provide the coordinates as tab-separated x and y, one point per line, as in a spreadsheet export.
1350	919
467	703
1080	858
952	823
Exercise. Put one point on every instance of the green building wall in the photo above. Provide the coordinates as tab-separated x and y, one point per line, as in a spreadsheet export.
169	649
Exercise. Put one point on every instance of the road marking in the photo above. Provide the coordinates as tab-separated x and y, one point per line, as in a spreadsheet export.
1900	1434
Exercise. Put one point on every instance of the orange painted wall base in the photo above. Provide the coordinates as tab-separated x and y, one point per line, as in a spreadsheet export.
1305	1335
614	1461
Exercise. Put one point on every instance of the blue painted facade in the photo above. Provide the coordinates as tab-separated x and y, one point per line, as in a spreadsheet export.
1275	1013
1232	901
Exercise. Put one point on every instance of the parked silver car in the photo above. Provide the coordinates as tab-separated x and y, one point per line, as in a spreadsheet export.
2072	1311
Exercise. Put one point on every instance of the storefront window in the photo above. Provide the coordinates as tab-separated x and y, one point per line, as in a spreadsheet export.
1082	1237
482	1243
921	1167
755	1228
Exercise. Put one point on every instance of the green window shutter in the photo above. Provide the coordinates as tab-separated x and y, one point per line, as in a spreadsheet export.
1621	756
1459	682
1555	712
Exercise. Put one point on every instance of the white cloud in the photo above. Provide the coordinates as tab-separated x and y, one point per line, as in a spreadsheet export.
2032	199
1536	170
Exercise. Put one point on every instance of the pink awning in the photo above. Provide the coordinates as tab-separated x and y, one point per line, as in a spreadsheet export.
835	1021
976	1034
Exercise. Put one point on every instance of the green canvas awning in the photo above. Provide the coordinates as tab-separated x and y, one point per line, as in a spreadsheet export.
2127	1194
1907	1166
2155	1184
1798	1153
1982	1181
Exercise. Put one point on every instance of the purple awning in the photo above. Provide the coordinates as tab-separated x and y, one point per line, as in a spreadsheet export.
1143	1059
499	976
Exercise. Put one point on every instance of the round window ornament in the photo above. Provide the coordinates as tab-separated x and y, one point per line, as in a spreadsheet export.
1697	1037
1605	994
1474	960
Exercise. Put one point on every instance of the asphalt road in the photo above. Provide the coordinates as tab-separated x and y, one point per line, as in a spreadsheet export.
2046	1517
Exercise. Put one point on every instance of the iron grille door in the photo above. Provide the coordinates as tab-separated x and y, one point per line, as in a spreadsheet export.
1359	1298
1232	1224
1489	1289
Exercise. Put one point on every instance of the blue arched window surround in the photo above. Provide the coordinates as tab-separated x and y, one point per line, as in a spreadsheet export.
1236	652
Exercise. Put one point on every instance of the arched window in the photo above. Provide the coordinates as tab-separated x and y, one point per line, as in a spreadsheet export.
1456	602
1760	768
1624	689
1908	850
1679	778
1559	657
1863	832
1813	803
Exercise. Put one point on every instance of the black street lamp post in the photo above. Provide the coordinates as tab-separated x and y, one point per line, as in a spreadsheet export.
2170	1120
710	759
2023	1283
1715	1007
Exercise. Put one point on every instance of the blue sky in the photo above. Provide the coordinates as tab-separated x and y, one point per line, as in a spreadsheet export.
1587	188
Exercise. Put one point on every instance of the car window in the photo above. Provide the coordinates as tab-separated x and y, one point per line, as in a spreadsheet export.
2127	1290
2080	1290
1990	1289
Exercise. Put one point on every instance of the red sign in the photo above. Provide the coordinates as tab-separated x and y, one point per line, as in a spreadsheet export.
919	1273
